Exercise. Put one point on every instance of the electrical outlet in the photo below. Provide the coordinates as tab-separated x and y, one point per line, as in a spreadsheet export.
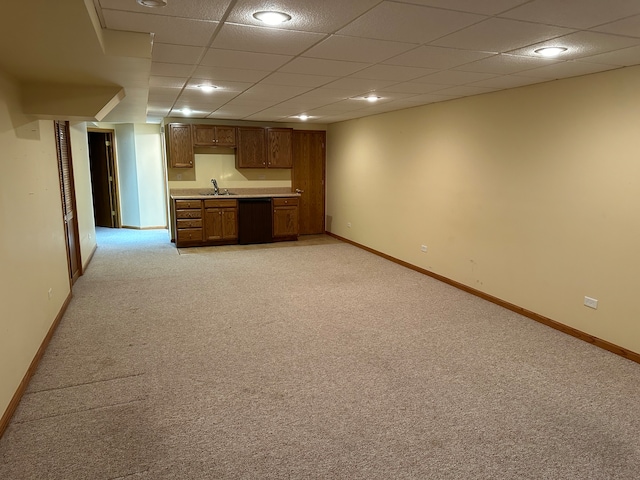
179	177
591	302
423	248
348	224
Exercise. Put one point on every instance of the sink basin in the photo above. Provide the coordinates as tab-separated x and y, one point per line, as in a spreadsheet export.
221	194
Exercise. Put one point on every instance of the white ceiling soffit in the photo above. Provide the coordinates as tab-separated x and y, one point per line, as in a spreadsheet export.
322	62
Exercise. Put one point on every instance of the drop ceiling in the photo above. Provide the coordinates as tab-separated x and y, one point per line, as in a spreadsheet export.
334	52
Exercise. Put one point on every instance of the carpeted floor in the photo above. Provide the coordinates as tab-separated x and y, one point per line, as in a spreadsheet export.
313	361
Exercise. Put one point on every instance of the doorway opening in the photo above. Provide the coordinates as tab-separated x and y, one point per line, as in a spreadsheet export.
104	182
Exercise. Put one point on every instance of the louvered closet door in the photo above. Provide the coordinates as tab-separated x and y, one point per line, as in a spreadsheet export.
65	170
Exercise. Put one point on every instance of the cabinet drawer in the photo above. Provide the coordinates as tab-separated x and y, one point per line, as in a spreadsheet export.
188	204
189	235
195	223
188	213
285	202
220	203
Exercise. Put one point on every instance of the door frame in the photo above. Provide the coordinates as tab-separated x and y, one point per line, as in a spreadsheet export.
112	168
75	254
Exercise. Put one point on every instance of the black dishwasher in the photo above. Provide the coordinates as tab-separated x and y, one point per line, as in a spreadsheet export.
254	220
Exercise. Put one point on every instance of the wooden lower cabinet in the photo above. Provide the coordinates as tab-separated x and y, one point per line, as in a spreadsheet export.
220	221
285	218
215	222
188	214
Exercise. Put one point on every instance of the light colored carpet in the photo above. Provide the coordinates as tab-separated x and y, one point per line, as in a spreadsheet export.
310	362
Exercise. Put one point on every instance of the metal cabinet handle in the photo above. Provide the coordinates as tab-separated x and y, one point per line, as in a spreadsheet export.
299	191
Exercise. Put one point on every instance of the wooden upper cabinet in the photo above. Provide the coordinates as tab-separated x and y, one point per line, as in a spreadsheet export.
214	136
252	148
180	145
279	147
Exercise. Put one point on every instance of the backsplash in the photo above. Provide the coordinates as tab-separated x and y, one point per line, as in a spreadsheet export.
222	167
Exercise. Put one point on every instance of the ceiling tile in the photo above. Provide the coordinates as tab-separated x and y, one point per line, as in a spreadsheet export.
247	60
504	64
429	98
389	72
508	81
179	31
170	69
583	44
183	8
168	82
297	80
318	66
453	77
329	95
265	40
360	84
400	22
274	93
567	69
223	86
414	88
168	53
436	57
500	35
465	90
233	112
486	7
574	13
338	47
623	58
251	101
629	26
230	74
326	16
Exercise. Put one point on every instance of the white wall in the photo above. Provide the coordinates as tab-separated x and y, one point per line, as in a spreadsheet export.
32	245
529	195
141	175
127	175
150	176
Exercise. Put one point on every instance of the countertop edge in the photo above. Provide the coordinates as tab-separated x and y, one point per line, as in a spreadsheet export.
232	197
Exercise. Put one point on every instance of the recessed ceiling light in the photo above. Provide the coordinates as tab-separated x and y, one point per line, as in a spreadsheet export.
372	98
152	3
303	117
186	111
550	51
272	18
207	88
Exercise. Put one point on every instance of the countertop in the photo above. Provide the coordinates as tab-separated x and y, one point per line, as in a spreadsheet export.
236	193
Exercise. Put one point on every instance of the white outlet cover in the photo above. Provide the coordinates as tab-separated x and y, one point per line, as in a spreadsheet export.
591	302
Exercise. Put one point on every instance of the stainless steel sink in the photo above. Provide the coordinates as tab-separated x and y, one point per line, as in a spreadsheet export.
222	194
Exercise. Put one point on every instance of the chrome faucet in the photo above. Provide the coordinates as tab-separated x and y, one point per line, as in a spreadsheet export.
215	186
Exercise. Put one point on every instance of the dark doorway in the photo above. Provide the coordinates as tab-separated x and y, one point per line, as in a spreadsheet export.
103	178
67	191
308	178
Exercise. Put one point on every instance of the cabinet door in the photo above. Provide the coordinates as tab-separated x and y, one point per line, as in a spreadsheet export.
226	136
285	221
180	145
280	147
204	135
213	224
252	148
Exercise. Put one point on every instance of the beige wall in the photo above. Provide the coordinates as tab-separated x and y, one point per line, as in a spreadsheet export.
84	198
530	195
32	253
